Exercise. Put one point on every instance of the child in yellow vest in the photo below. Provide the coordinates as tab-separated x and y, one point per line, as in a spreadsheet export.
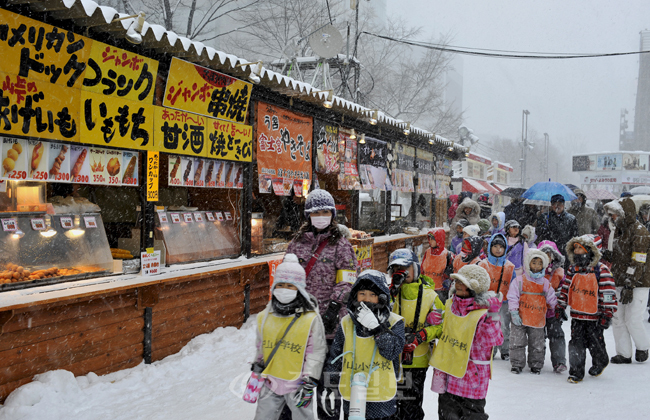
529	298
462	358
415	300
292	327
369	340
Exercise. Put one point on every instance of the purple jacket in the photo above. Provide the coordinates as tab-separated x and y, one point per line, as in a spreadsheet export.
321	282
514	294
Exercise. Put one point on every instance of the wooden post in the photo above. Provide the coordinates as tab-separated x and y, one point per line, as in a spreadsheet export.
147	298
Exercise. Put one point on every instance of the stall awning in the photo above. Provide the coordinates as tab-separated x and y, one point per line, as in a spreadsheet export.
476	186
499	187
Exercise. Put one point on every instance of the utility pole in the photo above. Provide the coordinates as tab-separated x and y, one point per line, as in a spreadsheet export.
546	162
524	145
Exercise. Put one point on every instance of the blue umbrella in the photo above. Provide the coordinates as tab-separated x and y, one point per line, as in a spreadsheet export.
545	190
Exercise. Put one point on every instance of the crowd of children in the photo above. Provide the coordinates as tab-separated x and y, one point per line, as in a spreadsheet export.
491	291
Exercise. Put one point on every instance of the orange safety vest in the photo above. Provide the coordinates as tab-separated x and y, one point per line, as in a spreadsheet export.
458	262
495	274
434	266
556	278
583	293
532	303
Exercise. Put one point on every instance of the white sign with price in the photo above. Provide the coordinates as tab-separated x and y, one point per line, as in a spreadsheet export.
150	263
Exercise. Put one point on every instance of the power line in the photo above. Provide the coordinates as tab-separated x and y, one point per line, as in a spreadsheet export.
513	54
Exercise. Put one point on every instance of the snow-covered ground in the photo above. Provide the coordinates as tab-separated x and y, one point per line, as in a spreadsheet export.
205	381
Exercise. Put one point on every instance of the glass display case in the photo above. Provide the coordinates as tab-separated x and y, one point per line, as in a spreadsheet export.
197	235
37	248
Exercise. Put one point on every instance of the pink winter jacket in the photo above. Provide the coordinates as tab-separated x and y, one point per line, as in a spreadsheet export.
315	353
476	380
517	284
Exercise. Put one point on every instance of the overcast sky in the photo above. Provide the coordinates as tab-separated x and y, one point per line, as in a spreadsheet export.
578	101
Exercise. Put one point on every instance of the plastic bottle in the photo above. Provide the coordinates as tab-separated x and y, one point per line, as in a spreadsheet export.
358	394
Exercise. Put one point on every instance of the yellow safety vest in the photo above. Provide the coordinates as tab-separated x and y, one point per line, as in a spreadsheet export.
406	308
452	352
357	357
288	360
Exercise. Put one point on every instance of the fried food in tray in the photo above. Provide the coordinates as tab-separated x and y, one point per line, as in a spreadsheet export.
14	273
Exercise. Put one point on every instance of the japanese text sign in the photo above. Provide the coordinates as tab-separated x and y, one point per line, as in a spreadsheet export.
230	141
150	263
37	108
373	153
424	162
327	147
203	91
284	143
116	122
405	157
153	165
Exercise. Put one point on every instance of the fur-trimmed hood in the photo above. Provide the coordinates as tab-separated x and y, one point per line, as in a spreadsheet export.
614	207
550	246
501	217
475	214
531	255
588	242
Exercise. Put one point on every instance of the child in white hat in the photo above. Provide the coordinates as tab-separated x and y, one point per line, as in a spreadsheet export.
291	346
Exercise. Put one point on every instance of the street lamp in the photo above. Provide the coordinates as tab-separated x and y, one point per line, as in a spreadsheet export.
546	163
525	144
466	134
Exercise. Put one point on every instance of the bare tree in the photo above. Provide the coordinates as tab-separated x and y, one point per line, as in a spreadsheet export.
200	20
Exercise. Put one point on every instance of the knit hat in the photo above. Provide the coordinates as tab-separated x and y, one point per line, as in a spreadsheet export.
474	277
462	223
290	271
626	194
510	224
557	198
484	225
319	200
370	280
498	240
404	258
472	230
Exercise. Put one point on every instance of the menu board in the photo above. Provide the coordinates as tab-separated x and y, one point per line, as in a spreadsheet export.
187	171
98	174
130	168
80	171
204	173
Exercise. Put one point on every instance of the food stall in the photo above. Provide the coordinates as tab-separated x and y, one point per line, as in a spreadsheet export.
134	151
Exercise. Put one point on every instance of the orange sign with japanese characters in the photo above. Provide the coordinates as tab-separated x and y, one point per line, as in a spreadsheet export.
197	89
284	142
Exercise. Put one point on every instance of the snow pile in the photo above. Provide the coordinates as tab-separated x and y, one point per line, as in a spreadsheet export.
204	380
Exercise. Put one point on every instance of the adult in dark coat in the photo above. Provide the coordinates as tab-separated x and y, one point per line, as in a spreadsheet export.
515	210
632	275
557	225
587	218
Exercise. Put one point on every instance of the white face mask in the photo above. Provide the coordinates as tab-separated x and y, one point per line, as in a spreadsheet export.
285	295
321	222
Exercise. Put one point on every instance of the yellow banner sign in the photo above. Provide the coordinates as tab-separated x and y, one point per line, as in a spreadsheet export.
178	132
230	141
116	122
38	109
203	91
119	73
153	165
39	51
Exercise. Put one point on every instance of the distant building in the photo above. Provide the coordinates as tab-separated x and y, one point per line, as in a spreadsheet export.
613	171
640	139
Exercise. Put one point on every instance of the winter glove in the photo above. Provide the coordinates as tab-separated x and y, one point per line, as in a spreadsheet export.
627	294
328	401
434	317
305	392
257	367
560	313
396	281
331	317
607	255
414	340
446	283
516	319
604	322
366	318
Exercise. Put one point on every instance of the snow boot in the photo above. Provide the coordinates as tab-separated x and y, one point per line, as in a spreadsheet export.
505	356
621	360
641	356
573	379
596	370
535	371
561	368
516	370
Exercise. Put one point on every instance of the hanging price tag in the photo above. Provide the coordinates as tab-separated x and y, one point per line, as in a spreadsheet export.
176	218
210	216
198	216
9	225
228	215
38	224
66	223
163	218
90	222
187	217
219	216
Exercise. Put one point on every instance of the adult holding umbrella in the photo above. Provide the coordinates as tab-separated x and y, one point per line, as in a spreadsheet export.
557	225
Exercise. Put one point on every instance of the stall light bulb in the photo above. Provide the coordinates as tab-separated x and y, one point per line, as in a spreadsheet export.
48	233
73	233
17	234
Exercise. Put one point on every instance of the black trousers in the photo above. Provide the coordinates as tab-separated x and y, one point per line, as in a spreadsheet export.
410	395
586	335
453	407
